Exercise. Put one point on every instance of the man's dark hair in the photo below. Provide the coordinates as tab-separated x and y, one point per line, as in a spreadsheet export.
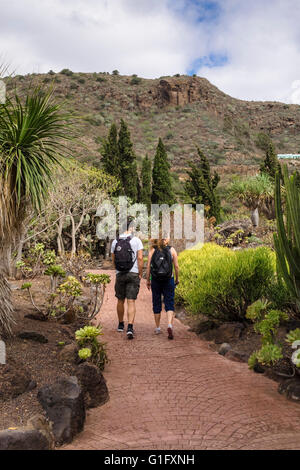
130	219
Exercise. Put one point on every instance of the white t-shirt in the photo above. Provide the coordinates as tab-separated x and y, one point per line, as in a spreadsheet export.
136	245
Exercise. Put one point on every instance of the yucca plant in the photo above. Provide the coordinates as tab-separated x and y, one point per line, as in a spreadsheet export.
33	135
254	193
287	238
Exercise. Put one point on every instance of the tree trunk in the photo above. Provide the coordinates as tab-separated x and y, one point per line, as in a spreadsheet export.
6	308
5	257
73	236
255	217
75	229
60	242
269	209
107	248
19	248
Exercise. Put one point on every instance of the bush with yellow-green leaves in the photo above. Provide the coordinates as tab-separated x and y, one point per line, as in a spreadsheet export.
220	283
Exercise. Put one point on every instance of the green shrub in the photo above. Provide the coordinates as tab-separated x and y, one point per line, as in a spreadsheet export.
66	72
135	81
268	327
266	323
252	361
269	354
221	283
293	335
91	347
254	239
262	141
256	310
278	295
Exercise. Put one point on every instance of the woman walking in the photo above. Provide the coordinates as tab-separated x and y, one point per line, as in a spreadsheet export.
161	260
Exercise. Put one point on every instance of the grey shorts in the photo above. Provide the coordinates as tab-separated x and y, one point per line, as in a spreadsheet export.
127	286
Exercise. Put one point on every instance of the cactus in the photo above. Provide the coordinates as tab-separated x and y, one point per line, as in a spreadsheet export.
287	238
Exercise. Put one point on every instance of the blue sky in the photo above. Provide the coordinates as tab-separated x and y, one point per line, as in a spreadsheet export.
210	61
248	49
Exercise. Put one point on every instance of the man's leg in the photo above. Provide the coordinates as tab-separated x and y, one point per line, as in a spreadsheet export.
131	311
120	310
131	317
120	294
132	290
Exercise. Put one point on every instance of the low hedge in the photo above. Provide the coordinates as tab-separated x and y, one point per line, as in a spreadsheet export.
221	283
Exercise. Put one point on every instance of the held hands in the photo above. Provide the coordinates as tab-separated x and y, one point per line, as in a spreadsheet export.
148	285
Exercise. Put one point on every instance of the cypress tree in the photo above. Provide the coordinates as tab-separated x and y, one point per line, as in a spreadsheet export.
127	163
162	191
110	153
138	189
200	187
146	182
270	165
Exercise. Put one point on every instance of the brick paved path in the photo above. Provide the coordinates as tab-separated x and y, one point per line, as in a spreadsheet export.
181	395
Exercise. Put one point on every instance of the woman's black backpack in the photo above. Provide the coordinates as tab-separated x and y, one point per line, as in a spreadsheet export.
124	255
162	264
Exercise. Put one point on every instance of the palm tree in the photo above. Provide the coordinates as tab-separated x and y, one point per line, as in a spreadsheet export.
254	193
33	138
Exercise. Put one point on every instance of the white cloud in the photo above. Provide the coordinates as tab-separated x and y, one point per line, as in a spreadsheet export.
295	92
261	39
135	37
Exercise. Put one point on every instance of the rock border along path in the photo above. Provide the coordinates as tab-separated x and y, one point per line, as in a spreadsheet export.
181	395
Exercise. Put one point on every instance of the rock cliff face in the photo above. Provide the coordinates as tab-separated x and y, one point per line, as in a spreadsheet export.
269	117
184	111
178	92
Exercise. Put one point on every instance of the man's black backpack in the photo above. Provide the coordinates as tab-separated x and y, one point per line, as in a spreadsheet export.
124	255
162	264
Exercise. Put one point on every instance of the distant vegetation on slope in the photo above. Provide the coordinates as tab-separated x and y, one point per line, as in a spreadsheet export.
186	112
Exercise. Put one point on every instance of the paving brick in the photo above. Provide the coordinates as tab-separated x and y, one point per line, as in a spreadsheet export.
181	394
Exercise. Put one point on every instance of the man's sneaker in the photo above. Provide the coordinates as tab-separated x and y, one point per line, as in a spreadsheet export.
130	332
170	333
157	331
121	327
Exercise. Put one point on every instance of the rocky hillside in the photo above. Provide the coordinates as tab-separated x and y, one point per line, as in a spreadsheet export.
185	111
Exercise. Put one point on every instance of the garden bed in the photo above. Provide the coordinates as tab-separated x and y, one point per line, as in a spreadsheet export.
39	360
244	343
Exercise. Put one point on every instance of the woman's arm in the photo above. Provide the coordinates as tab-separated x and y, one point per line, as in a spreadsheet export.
148	267
176	265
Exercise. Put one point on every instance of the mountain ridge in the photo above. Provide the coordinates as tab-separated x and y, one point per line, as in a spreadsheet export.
184	111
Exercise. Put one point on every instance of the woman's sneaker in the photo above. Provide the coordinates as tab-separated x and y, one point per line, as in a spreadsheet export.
121	327
170	333
130	332
157	331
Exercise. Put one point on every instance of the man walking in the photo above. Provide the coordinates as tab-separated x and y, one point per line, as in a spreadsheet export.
127	256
